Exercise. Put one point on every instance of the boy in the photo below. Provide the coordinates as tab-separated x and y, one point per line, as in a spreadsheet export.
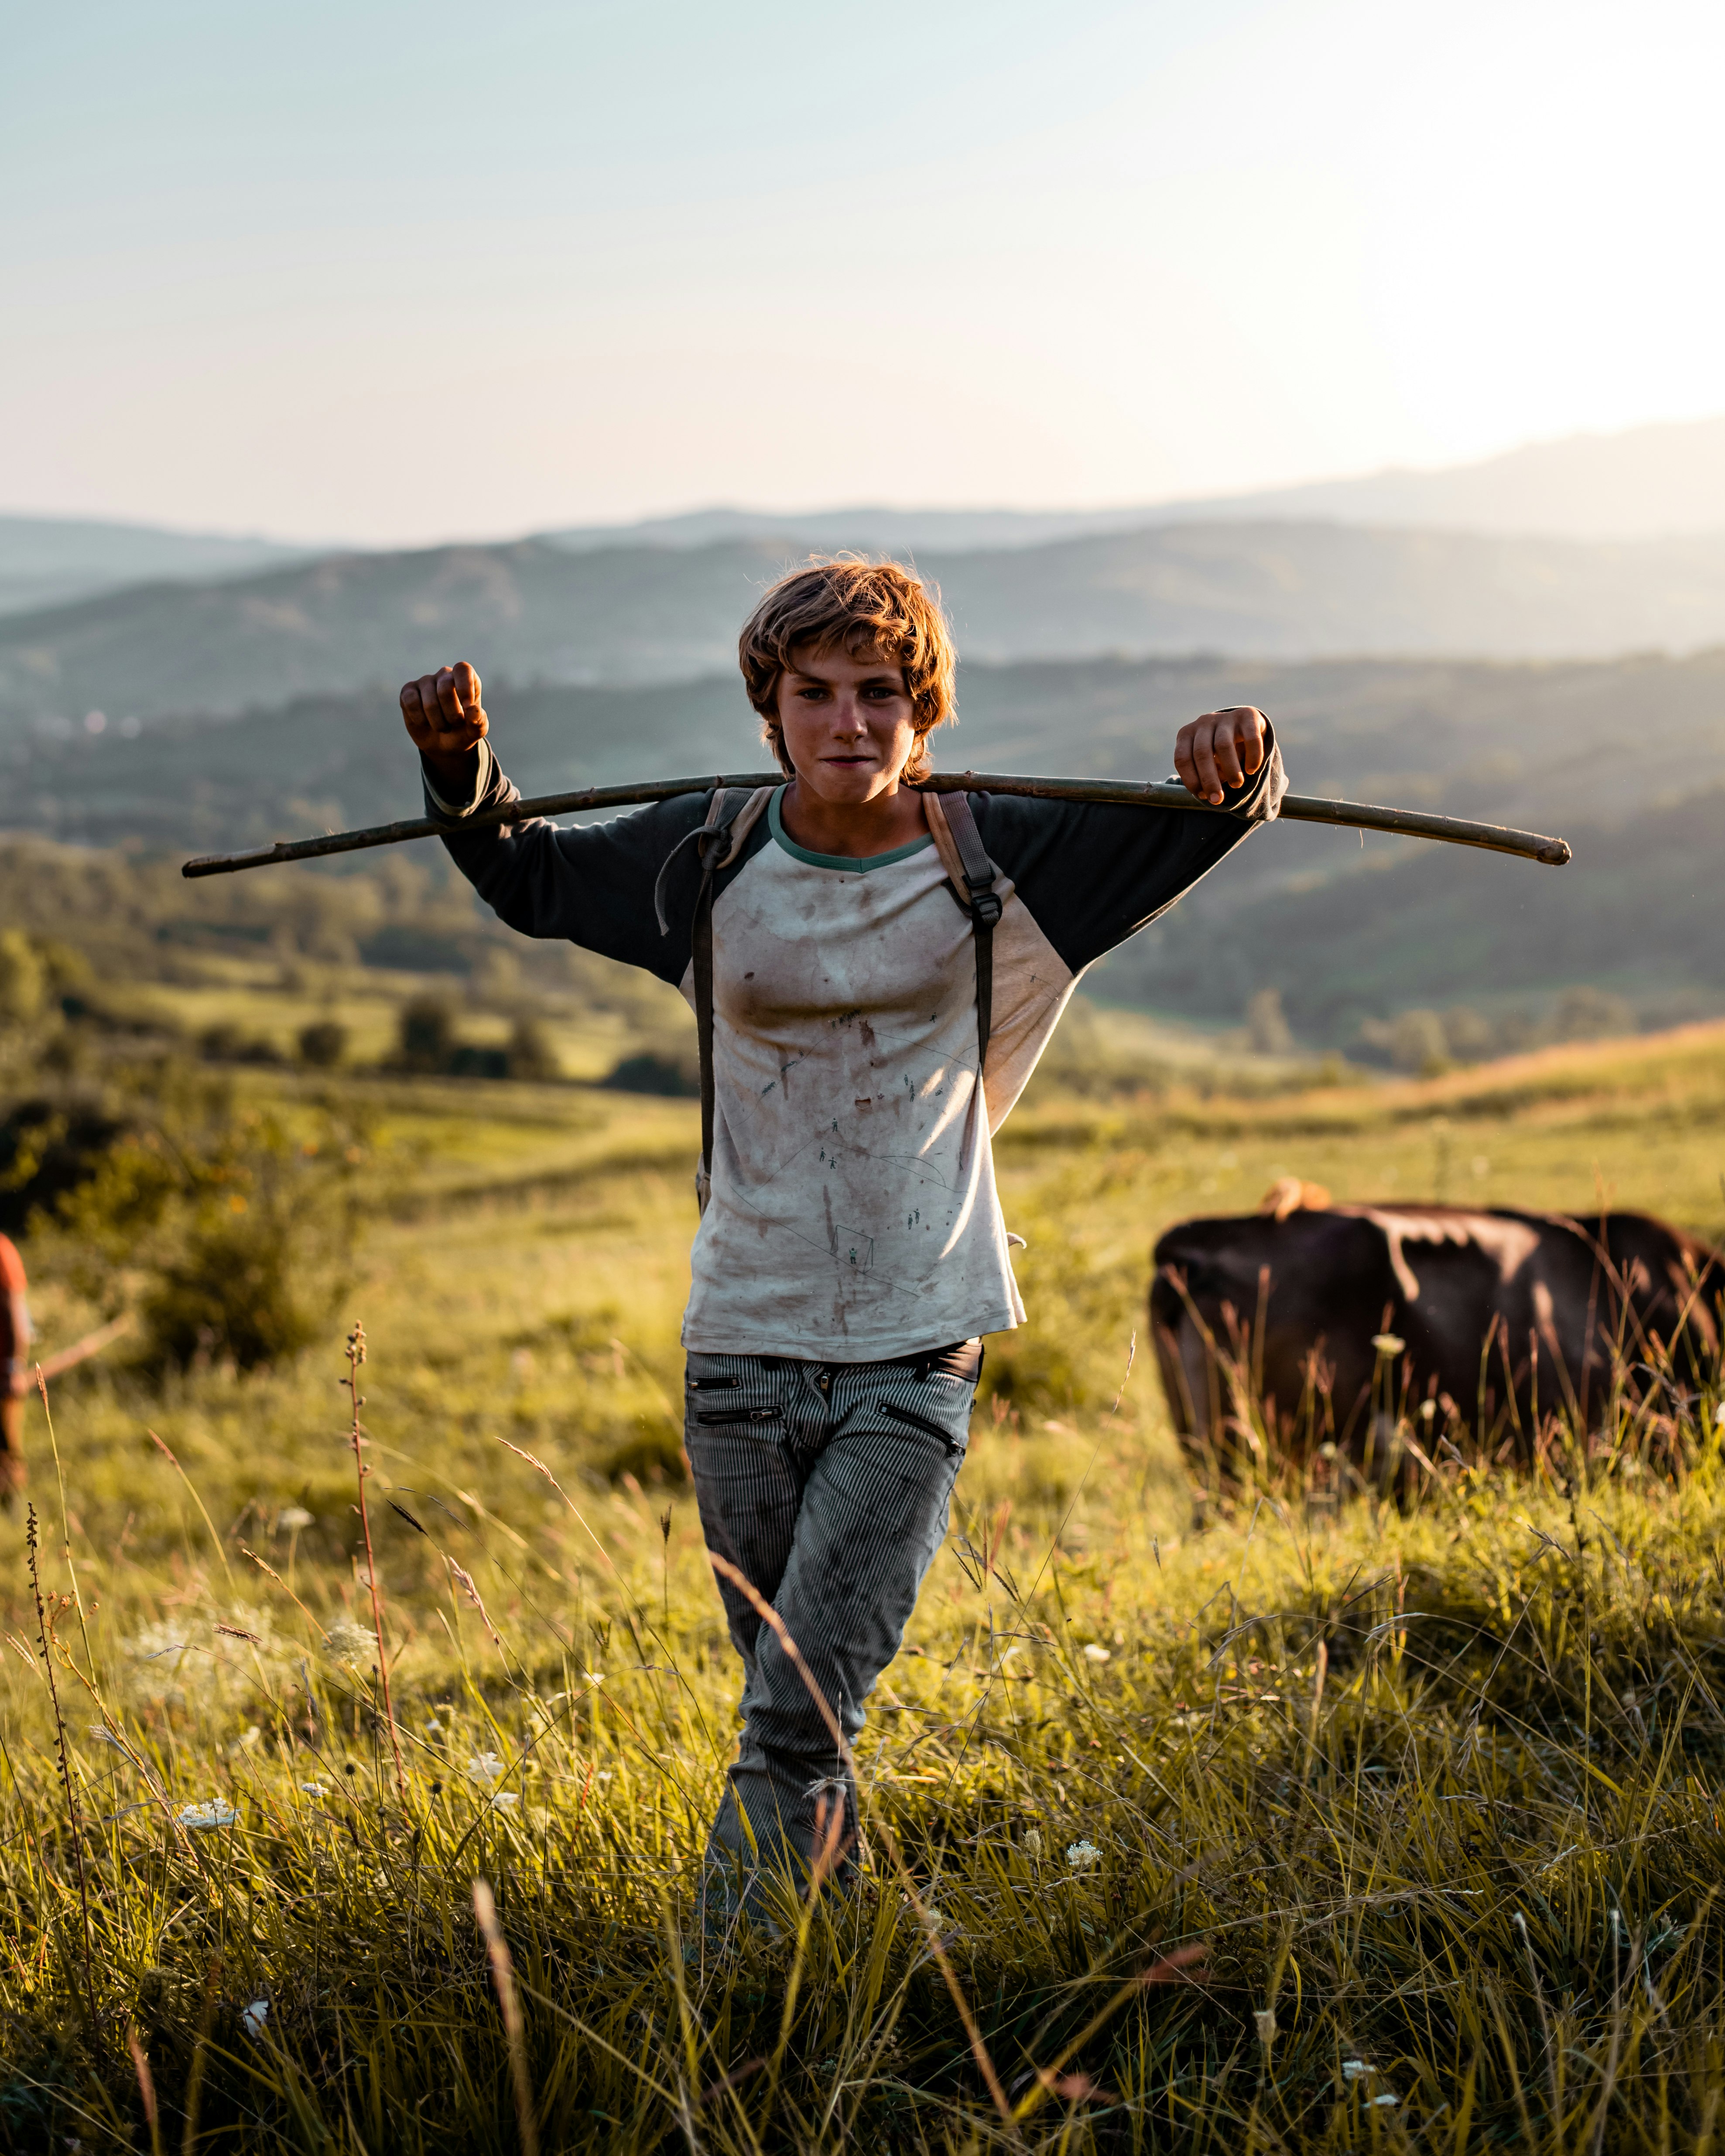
859	955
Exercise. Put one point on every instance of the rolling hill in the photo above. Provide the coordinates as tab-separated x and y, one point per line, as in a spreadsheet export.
1544	745
532	611
1642	483
1630	919
1626	759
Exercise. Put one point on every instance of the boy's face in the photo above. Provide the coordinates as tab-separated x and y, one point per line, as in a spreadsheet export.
846	723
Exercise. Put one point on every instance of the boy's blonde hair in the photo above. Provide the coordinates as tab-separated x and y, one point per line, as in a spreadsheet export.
848	604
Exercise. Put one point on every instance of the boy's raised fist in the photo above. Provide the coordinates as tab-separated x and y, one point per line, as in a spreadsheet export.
1221	749
445	719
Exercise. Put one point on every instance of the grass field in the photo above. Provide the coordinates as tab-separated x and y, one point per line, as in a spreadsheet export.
1222	1825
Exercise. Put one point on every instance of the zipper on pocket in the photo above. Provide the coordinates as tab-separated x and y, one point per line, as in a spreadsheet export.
712	1385
928	1428
719	1415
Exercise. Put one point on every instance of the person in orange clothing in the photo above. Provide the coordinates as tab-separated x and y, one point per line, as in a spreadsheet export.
14	1348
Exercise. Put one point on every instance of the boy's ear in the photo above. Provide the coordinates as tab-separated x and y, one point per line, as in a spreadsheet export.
773	735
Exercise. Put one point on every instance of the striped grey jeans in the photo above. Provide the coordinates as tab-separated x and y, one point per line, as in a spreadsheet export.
827	1485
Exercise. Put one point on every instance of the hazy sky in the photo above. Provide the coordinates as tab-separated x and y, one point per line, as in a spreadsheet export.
387	272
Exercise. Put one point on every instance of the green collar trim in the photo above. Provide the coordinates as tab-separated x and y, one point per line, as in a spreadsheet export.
849	866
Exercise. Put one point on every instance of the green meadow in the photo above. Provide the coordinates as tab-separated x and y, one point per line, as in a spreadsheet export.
1197	1818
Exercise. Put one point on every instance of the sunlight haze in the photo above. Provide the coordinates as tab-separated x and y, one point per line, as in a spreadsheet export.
391	274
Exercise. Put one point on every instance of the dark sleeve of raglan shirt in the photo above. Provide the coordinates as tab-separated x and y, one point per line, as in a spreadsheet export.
591	884
1092	874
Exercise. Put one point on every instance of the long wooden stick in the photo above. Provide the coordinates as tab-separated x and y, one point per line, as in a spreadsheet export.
92	1343
1296	808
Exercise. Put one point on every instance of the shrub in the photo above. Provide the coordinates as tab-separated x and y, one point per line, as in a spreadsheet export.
232	1221
1589	1013
1413	1041
651	1072
530	1053
324	1044
48	1149
238	1291
1467	1035
428	1034
430	1045
228	1044
470	1060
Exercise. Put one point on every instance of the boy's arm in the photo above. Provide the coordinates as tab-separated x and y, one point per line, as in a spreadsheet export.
15	1328
1092	875
593	885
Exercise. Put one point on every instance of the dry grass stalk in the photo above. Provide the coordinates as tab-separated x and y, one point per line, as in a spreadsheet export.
44	1626
355	1357
146	2087
484	1910
768	1615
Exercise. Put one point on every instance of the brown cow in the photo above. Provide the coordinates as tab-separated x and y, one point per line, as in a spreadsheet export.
1340	1317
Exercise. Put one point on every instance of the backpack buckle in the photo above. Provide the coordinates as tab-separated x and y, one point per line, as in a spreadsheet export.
985	908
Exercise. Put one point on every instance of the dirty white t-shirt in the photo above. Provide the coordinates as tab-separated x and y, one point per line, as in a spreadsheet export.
853	1191
854	1215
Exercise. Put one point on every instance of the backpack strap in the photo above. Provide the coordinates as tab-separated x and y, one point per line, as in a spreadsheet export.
951	813
718	841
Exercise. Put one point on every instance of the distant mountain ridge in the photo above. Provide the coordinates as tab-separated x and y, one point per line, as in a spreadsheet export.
531	611
1651	482
1664	480
52	561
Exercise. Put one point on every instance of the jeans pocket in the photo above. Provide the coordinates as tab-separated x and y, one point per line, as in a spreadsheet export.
724	1418
929	1427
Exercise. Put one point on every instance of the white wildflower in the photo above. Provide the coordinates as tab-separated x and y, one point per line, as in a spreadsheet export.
348	1642
485	1766
1379	2102
1352	2069
1264	2020
1082	1855
434	1729
1388	1344
594	1676
1093	1653
1719	1415
313	1789
217	1812
291	1518
253	2017
506	1800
